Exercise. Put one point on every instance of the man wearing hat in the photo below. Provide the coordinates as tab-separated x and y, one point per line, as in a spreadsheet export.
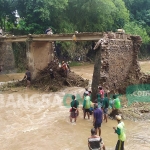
120	130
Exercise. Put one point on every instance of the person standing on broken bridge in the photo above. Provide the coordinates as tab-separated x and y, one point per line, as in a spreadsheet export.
49	31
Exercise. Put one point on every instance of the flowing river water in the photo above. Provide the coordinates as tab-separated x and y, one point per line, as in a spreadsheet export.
34	124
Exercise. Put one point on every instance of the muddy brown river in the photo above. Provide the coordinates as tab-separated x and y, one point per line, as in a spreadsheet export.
33	120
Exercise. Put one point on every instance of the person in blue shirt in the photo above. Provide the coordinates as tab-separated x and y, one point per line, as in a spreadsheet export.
97	118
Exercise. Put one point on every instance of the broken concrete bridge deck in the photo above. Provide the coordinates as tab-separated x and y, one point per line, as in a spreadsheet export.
84	36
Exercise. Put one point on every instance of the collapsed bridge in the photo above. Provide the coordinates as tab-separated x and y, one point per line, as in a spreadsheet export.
116	64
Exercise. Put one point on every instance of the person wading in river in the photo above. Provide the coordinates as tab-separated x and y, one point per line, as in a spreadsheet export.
86	91
86	105
95	142
105	106
101	91
97	118
27	77
120	130
74	109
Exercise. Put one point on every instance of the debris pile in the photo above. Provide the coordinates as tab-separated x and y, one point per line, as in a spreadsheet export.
137	111
54	78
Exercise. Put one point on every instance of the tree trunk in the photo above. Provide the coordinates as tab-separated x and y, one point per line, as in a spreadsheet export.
96	73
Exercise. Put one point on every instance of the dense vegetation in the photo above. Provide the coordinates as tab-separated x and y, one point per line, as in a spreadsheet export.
67	16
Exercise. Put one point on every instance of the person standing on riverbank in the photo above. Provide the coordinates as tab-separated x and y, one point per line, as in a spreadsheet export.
74	109
27	77
120	130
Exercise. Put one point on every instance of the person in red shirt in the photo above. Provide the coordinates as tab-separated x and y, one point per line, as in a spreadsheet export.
101	91
65	68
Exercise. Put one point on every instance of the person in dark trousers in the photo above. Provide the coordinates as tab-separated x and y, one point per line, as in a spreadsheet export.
97	118
74	109
105	106
95	142
27	77
120	131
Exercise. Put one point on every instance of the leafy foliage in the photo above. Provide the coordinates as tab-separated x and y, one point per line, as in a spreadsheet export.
67	16
138	30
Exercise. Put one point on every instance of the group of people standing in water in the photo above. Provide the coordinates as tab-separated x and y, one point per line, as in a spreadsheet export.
99	110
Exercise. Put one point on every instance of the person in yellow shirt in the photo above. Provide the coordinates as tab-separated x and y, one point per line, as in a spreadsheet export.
120	130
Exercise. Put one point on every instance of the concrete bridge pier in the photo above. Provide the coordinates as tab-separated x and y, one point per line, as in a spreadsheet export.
7	61
39	54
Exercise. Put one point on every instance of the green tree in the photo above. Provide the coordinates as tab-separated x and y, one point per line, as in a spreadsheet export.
135	29
6	13
140	10
37	15
97	15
